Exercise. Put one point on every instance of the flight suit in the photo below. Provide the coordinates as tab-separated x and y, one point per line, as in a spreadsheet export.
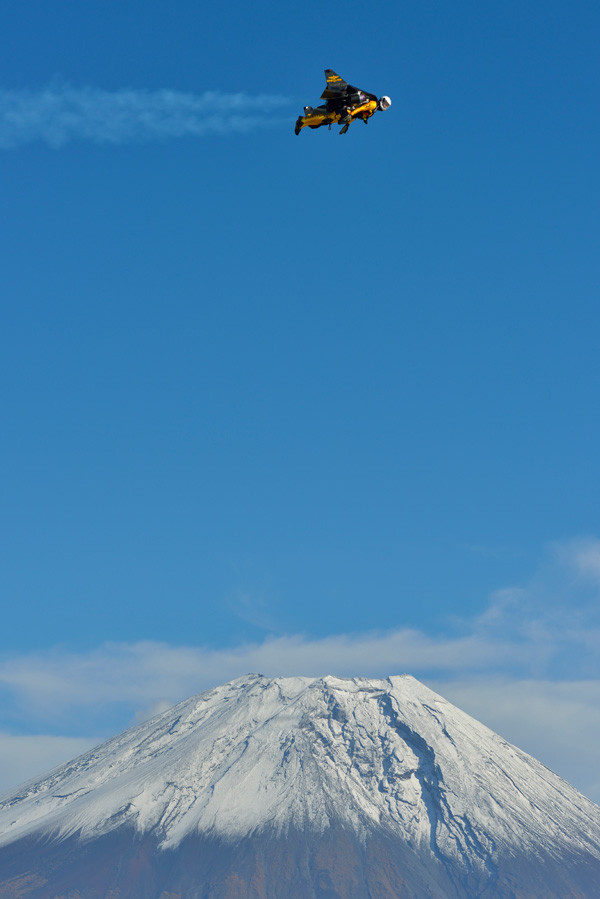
325	115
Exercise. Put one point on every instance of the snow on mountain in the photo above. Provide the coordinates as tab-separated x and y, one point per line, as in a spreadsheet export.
303	752
296	755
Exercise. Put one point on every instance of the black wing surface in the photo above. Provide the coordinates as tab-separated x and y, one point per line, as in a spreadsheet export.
338	89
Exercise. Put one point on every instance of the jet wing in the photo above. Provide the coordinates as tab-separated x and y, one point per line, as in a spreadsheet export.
338	89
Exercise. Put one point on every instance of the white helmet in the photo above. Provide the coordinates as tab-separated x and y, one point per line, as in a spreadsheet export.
384	103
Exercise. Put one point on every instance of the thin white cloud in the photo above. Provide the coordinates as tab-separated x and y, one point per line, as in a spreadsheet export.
556	722
57	682
525	632
24	757
253	608
61	113
528	666
583	557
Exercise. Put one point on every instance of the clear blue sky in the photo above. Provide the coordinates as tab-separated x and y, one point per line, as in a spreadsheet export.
256	385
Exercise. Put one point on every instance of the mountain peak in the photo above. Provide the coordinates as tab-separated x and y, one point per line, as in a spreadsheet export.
282	756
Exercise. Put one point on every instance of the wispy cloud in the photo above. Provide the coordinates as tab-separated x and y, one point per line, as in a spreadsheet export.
58	682
582	558
60	113
24	757
528	666
543	630
255	608
556	722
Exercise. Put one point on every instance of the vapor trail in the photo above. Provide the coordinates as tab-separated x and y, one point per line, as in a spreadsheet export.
60	113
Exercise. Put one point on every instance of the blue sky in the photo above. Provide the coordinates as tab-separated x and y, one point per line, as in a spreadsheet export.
305	403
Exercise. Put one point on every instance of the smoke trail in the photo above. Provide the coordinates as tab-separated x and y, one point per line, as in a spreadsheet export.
60	113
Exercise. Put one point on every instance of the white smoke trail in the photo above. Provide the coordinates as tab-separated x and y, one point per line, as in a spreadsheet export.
60	113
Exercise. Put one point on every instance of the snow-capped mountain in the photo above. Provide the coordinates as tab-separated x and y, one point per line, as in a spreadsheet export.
302	787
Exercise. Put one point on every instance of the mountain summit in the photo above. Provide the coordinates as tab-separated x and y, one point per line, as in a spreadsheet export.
302	787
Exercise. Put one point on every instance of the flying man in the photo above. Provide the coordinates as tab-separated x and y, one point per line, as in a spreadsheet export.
344	104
